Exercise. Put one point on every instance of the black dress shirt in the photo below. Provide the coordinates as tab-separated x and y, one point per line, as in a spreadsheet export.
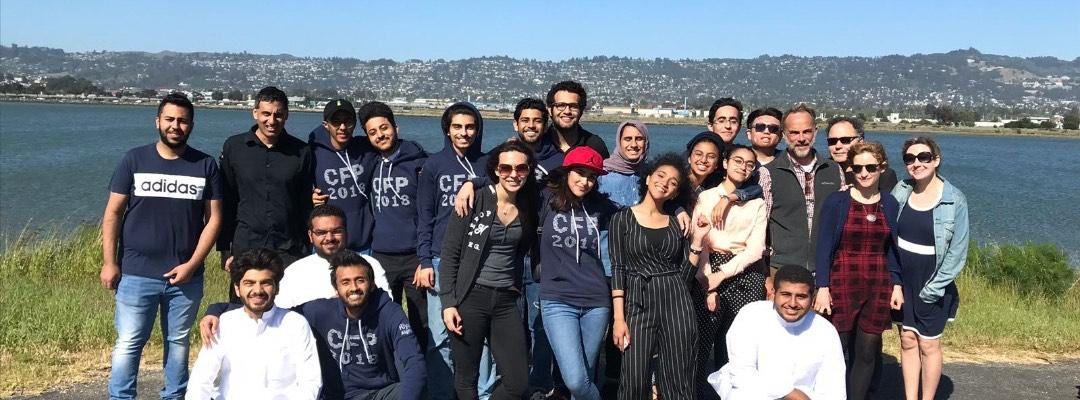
267	194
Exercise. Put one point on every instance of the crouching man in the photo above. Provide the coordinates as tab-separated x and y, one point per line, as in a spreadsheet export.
260	351
362	335
778	349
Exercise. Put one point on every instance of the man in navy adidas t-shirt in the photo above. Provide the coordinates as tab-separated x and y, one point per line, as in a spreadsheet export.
161	220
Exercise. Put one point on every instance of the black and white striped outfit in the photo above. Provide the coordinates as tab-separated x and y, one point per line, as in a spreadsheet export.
650	266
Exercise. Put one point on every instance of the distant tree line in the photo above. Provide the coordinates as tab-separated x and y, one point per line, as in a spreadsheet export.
66	84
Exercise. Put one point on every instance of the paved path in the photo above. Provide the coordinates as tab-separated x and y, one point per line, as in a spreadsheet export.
960	381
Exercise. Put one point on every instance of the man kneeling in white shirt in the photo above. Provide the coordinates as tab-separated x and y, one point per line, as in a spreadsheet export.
779	350
261	351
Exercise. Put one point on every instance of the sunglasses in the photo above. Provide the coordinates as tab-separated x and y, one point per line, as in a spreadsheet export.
845	140
925	157
506	169
858	168
772	128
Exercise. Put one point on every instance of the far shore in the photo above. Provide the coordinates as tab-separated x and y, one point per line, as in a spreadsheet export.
590	118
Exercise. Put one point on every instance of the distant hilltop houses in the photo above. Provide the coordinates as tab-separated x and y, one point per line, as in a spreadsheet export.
961	87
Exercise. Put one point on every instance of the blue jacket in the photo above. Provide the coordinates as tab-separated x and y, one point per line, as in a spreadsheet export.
831	229
441	177
950	237
381	342
349	191
394	192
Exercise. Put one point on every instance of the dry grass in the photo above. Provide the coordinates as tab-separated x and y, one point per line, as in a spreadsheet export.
56	326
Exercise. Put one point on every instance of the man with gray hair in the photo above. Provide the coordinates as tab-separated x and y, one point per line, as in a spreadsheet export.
841	133
801	180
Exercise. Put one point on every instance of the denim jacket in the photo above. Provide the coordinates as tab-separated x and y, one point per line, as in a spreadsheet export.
950	237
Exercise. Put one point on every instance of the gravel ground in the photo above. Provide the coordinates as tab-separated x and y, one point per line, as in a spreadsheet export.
960	381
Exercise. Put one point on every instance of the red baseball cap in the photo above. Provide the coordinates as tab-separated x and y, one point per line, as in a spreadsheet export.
585	157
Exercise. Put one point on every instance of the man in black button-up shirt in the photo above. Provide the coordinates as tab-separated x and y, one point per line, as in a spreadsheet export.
267	179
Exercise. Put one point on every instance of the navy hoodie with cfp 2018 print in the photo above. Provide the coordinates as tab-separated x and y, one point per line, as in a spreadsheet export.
440	179
570	251
345	175
394	188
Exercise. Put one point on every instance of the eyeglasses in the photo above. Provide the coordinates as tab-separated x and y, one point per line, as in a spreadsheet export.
564	106
741	163
506	169
710	157
845	140
772	128
925	157
335	232
858	168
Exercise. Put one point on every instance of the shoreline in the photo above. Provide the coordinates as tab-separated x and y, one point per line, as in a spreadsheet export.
586	118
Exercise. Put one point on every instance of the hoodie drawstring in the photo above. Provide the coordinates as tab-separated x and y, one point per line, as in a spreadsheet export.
383	185
356	181
577	238
467	165
345	344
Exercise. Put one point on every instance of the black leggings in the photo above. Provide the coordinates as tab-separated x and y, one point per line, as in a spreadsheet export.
861	351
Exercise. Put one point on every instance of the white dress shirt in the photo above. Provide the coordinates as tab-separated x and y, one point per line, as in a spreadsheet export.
272	357
769	357
308	279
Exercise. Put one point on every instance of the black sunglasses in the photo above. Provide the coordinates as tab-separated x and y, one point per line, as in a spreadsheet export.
857	168
772	128
845	140
924	157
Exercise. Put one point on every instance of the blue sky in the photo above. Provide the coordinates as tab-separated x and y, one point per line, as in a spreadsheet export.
548	30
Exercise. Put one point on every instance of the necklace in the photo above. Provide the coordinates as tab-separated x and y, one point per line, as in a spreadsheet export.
871	213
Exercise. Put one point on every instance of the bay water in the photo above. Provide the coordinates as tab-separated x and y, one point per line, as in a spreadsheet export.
56	161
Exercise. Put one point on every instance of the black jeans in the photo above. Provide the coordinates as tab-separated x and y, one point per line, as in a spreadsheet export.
400	269
492	314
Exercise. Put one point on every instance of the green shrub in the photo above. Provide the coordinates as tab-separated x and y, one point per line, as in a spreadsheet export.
1034	268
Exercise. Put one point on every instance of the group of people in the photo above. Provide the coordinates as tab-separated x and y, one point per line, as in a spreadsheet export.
364	267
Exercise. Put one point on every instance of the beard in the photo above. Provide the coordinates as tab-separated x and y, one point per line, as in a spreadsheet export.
165	140
259	308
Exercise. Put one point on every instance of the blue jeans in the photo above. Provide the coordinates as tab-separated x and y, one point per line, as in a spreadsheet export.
576	334
138	300
541	359
440	363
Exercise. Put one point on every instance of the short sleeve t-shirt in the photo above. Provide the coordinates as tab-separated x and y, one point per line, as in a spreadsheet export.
165	209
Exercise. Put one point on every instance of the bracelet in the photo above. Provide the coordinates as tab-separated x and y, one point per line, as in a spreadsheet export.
696	251
617	297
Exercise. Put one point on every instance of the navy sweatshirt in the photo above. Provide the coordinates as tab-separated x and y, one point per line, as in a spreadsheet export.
548	157
346	176
571	270
394	188
361	355
441	177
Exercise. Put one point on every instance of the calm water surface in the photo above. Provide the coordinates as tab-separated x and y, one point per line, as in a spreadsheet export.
56	160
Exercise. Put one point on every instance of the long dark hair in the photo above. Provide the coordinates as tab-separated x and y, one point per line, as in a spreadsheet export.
526	198
562	198
683	194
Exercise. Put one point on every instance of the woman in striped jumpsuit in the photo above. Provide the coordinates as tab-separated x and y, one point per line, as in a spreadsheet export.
652	270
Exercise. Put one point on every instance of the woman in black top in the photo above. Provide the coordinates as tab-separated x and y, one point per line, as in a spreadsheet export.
481	272
652	267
